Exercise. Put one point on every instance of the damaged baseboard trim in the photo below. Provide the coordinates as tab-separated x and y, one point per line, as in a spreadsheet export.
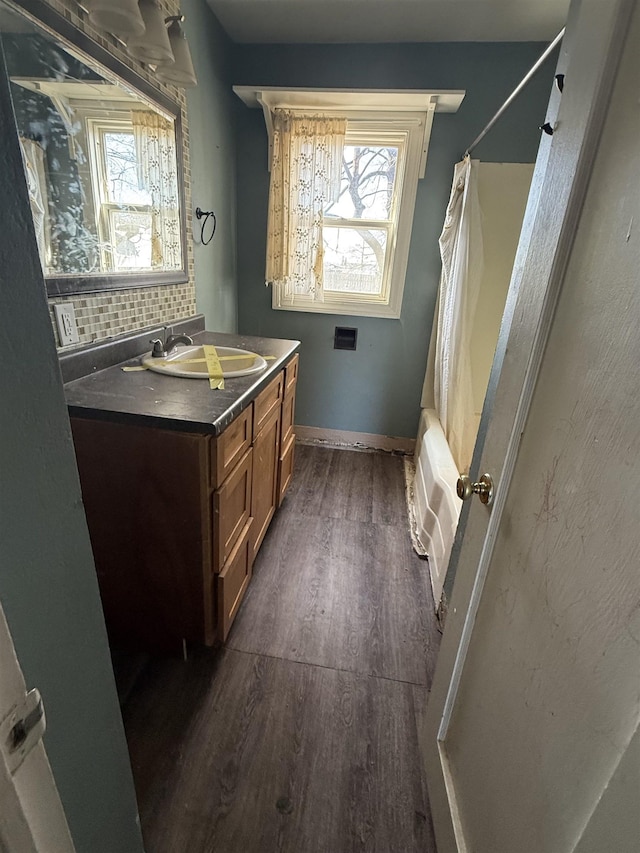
343	439
409	479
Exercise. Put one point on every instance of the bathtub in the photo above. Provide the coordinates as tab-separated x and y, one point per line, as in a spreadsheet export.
436	506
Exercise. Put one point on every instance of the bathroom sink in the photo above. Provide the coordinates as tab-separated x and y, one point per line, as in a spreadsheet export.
189	362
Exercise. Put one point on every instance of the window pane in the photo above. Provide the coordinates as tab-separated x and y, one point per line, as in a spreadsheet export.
368	182
354	259
130	239
122	170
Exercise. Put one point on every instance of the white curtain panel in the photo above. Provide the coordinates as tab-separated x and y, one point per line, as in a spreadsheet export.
158	173
306	171
448	383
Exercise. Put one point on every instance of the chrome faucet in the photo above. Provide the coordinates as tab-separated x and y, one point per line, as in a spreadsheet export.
162	350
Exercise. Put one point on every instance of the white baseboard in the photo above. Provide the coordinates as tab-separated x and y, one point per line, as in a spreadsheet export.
339	438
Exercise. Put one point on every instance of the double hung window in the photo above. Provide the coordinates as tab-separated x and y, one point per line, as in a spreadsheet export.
123	202
360	228
366	227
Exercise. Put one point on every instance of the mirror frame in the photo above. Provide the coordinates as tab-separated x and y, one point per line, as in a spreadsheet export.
58	26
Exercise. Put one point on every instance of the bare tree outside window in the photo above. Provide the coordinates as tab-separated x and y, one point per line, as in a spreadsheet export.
121	165
358	225
125	209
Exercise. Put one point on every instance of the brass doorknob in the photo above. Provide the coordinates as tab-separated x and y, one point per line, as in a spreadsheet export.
483	488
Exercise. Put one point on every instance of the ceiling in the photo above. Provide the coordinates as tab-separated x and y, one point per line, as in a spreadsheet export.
322	21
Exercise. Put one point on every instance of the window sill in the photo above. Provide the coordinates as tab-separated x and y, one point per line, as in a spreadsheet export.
387	312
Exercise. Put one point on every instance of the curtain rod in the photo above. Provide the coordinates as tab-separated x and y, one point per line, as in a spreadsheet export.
516	91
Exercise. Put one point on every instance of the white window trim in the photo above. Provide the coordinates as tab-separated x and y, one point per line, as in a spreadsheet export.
409	112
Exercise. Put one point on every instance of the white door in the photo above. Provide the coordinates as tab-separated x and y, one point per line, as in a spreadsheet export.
31	815
536	698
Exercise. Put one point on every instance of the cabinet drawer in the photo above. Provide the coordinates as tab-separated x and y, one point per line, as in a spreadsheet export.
229	447
231	510
232	583
266	402
288	408
285	468
291	376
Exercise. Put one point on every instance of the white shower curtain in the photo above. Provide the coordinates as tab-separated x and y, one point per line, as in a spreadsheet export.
448	382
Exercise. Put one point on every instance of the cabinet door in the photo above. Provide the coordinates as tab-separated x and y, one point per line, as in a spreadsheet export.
232	582
285	467
291	375
231	510
288	403
288	408
266	447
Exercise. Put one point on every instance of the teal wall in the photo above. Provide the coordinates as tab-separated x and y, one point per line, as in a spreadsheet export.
48	585
377	388
211	109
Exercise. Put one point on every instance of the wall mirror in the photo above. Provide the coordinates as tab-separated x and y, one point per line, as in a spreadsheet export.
102	155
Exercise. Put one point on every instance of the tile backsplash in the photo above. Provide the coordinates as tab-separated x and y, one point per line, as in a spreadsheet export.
103	315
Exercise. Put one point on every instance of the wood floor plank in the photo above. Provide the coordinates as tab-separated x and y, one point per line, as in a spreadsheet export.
342	594
272	755
389	504
334	484
301	735
348	484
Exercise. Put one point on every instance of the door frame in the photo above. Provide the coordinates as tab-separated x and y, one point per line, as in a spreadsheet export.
590	53
32	818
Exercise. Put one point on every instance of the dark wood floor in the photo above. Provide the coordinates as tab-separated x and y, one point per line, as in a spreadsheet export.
301	735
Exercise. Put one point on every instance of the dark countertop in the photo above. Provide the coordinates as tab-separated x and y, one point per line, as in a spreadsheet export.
190	405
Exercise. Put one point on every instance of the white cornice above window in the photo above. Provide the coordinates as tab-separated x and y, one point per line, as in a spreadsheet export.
389	100
354	104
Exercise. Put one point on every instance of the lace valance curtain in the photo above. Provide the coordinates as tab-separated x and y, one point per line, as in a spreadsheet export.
305	176
157	173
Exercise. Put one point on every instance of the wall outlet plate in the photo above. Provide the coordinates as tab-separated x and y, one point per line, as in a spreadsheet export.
66	323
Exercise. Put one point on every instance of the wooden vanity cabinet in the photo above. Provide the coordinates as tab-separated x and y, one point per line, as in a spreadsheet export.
176	519
148	502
